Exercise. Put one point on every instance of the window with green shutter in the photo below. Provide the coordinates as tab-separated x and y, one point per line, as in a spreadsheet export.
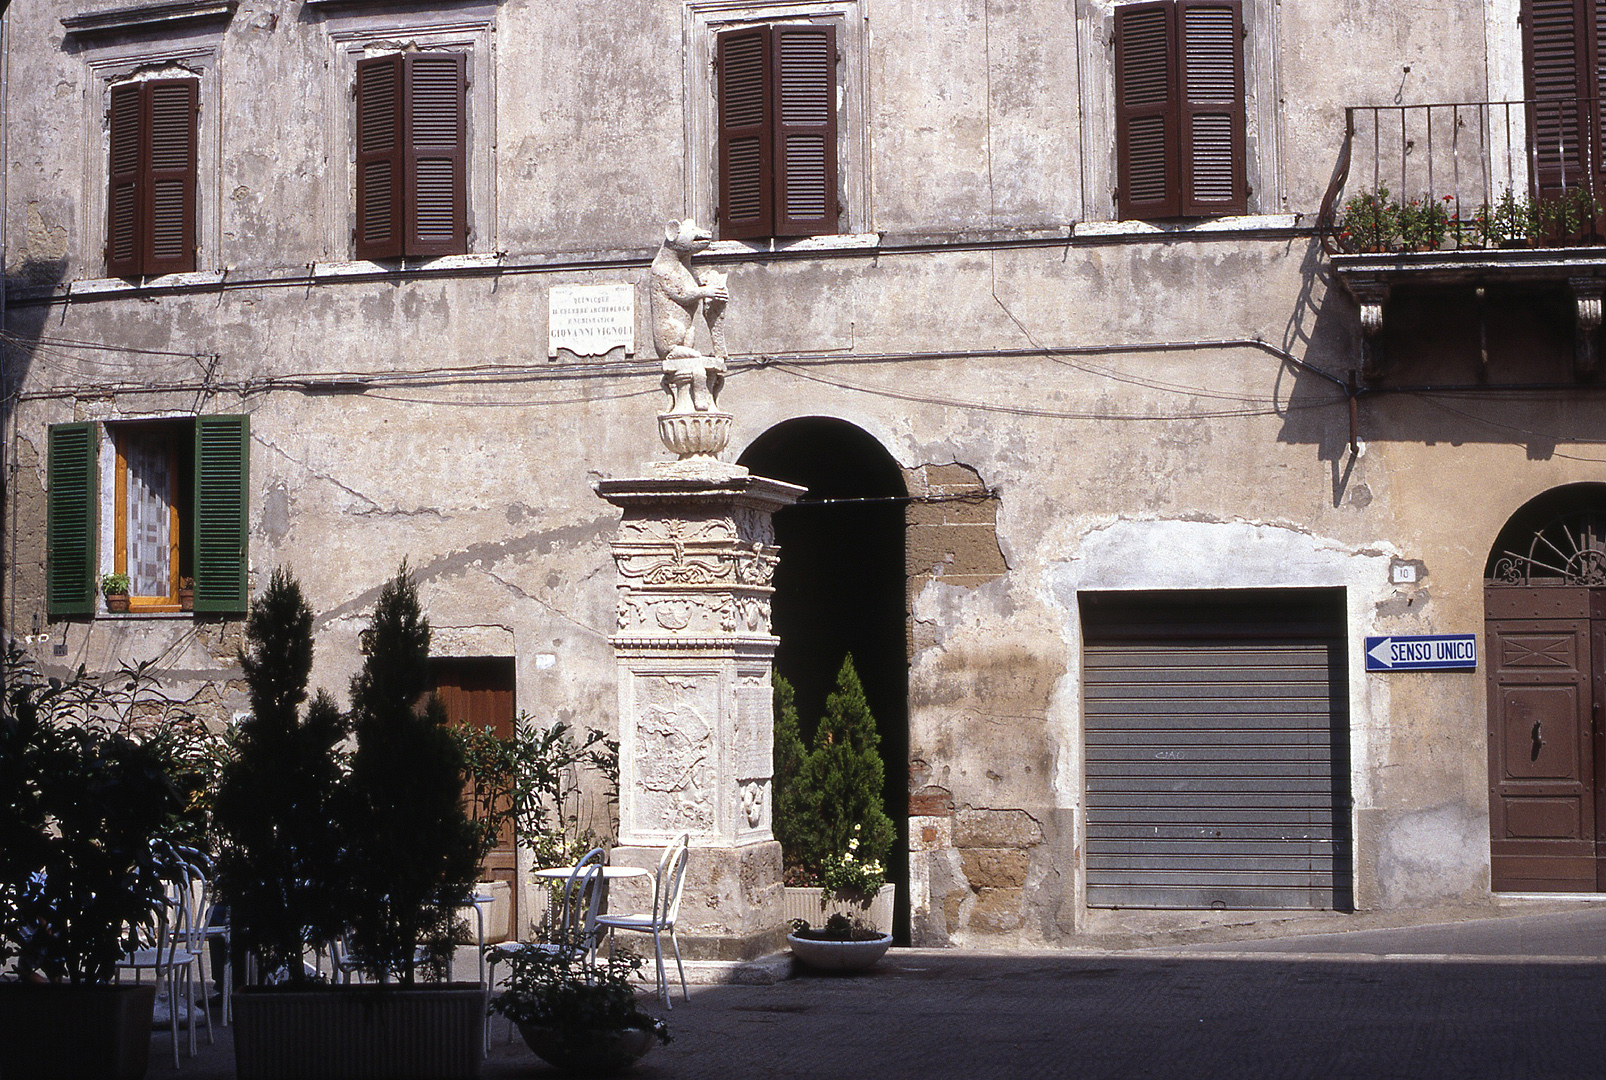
176	497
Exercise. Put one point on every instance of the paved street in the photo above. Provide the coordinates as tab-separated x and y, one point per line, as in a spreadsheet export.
1521	997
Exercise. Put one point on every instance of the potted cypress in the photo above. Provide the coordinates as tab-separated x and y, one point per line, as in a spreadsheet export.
86	808
404	856
833	830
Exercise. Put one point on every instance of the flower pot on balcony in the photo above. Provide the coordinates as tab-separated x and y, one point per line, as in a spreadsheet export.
360	1033
117	603
56	1032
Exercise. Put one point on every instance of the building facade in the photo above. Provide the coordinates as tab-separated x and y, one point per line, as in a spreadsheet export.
1061	296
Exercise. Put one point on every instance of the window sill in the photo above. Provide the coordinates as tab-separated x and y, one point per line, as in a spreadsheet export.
796	245
148	613
1243	223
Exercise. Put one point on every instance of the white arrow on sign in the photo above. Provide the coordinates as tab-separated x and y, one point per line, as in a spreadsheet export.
1380	652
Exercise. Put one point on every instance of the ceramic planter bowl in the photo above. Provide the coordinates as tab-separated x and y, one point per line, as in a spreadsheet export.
604	1053
839	955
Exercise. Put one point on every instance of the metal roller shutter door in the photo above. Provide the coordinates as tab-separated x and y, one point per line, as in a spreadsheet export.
1211	778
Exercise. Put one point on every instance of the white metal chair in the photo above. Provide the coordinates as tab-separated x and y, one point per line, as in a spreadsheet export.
575	931
665	910
173	953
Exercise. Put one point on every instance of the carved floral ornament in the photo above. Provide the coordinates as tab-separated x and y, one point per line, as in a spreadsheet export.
719	613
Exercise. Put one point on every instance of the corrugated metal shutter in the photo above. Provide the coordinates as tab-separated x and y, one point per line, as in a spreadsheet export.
1212	777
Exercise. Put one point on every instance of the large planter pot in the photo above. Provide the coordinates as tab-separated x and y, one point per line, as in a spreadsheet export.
51	1032
839	955
805	904
432	1032
600	1053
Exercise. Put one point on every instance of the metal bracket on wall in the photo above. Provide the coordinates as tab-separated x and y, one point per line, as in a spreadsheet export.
1371	295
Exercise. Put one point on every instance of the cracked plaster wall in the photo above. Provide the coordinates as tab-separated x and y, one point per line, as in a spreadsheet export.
485	487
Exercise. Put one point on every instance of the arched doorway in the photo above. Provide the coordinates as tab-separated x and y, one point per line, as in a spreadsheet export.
840	588
1545	606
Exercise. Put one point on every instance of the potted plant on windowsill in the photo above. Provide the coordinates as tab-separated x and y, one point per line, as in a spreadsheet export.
397	858
580	1018
115	587
87	804
186	594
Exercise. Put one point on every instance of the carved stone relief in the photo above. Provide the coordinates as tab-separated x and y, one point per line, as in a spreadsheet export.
755	800
753	746
675	762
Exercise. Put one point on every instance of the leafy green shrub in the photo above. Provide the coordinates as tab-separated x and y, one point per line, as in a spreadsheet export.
560	991
89	806
276	804
525	780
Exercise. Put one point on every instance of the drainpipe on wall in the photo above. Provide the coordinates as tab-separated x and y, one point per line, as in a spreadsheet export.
6	562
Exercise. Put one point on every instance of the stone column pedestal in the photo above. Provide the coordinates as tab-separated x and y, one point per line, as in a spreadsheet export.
696	553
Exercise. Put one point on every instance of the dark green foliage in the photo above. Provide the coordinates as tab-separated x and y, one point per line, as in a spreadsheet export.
411	852
561	991
791	811
275	808
83	805
839	784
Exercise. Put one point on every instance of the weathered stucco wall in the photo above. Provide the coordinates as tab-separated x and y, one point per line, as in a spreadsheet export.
1074	408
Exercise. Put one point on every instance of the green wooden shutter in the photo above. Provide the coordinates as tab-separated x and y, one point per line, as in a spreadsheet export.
1146	113
746	170
123	212
437	192
70	520
1211	131
379	158
222	473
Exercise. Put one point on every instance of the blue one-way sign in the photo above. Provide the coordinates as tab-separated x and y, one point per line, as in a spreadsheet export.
1425	652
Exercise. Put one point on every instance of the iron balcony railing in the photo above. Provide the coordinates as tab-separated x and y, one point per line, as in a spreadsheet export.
1468	175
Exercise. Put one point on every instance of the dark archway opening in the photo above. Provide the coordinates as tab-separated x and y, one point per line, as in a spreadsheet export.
840	588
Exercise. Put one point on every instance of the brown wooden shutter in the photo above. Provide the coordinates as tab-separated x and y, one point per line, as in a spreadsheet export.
1146	112
437	203
123	213
804	59
169	204
379	158
746	138
1211	136
1559	47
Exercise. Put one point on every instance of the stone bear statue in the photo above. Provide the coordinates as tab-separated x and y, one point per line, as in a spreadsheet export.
691	379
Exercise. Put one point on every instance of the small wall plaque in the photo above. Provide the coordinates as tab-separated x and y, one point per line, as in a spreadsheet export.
591	320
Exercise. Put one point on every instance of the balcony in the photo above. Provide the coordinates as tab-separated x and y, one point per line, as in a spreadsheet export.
1477	196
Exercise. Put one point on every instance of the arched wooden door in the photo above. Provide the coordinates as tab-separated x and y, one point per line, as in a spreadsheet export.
1545	606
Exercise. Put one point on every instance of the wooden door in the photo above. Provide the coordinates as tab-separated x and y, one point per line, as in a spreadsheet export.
1543	696
479	691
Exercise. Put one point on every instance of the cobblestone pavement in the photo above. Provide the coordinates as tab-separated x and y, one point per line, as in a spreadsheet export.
1521	997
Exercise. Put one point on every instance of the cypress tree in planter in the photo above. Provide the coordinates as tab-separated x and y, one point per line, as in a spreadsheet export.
836	826
413	854
406	858
274	813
